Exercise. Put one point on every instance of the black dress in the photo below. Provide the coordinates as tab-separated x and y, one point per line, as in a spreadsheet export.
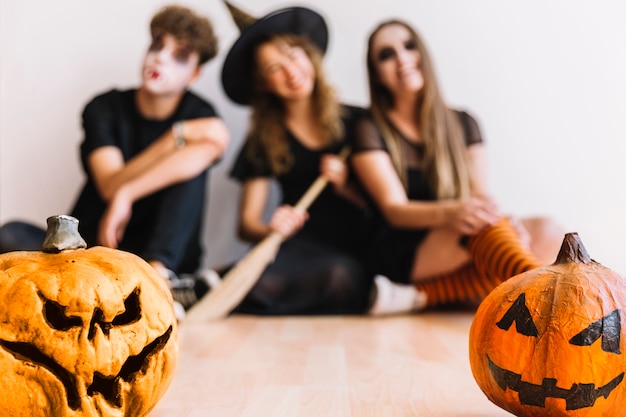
320	270
391	250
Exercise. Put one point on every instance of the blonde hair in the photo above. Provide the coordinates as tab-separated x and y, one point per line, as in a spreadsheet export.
445	153
267	130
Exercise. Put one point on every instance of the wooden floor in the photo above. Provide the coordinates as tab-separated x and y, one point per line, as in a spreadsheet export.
325	367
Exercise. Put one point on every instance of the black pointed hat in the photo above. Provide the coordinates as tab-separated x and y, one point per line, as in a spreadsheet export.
236	77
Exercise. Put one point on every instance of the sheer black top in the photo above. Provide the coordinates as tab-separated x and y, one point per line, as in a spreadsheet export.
393	249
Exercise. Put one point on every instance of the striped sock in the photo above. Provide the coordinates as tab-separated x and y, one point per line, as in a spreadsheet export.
497	255
465	285
497	251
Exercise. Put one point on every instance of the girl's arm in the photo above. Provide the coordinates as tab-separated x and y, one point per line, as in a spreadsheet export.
254	197
477	157
375	170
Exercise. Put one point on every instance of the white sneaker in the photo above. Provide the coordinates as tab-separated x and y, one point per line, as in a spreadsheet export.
211	277
179	311
395	298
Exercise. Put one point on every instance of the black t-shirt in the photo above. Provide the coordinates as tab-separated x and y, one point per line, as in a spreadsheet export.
112	119
332	219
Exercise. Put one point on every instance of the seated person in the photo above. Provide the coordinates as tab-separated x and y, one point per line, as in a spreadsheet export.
146	154
297	129
422	163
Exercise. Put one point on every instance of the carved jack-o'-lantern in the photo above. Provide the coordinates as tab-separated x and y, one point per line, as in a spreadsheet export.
549	342
83	332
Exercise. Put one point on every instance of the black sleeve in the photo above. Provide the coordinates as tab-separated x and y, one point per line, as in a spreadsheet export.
366	136
470	128
99	127
248	166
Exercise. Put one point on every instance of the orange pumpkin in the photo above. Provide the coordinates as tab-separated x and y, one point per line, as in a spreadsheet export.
83	332
549	342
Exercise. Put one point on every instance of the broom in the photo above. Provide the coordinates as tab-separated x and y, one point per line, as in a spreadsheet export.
239	280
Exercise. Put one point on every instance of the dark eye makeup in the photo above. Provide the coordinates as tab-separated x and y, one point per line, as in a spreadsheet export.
388	52
385	54
182	55
410	45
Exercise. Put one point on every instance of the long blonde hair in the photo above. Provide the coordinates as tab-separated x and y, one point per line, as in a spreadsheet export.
267	130
445	155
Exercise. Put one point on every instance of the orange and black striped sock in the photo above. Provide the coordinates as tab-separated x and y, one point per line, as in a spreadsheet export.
497	255
498	251
465	285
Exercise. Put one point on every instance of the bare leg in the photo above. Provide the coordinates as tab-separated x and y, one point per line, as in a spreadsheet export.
438	254
444	274
497	254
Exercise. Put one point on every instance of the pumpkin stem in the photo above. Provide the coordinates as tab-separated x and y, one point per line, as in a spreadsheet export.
62	234
572	251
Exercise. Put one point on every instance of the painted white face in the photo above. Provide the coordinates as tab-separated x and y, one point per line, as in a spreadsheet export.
397	60
169	67
287	71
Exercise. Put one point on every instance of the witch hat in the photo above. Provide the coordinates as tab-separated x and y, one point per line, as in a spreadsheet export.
236	75
242	19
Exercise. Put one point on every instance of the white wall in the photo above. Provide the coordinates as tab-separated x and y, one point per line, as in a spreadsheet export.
546	80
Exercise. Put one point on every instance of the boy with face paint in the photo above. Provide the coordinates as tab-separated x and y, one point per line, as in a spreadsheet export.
146	153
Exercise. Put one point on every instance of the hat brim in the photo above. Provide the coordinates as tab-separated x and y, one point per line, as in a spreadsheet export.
236	76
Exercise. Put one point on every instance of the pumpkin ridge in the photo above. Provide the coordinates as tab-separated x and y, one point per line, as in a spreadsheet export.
29	353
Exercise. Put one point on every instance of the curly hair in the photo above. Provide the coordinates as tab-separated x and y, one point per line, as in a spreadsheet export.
189	28
267	128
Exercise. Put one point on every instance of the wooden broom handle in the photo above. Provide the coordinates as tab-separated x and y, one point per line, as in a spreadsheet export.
238	281
318	186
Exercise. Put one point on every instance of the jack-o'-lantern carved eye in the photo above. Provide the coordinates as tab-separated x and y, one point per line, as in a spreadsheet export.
54	313
518	313
609	328
55	316
132	310
131	314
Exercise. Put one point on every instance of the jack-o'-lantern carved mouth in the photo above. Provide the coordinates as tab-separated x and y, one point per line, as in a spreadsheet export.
108	386
578	396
